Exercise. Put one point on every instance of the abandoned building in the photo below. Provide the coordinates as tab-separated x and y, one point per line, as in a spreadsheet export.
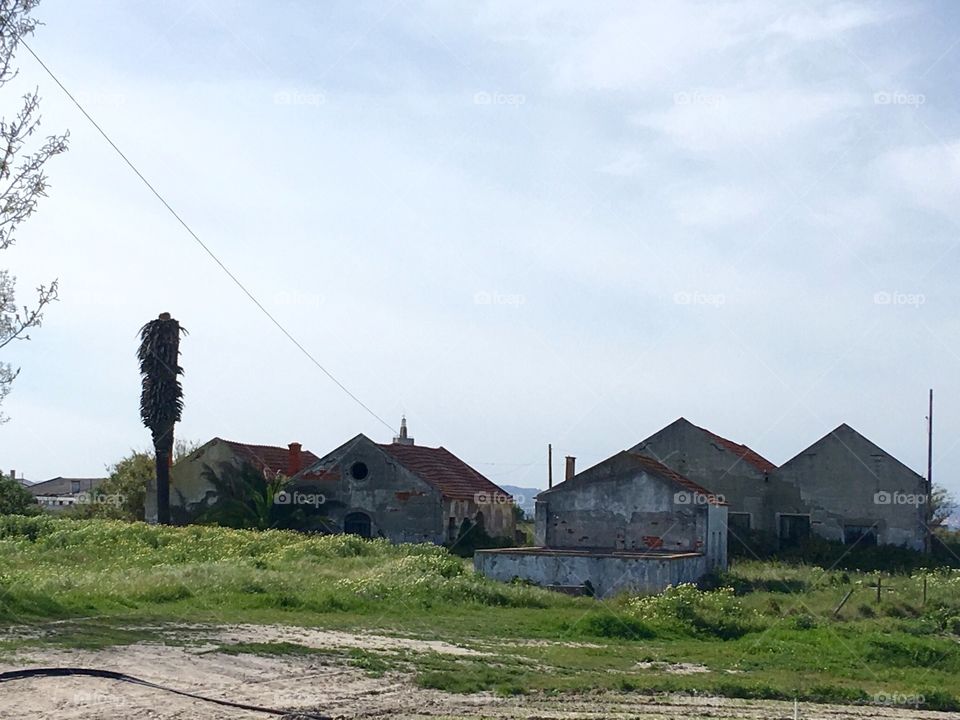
405	492
60	493
738	474
846	488
827	490
189	486
629	523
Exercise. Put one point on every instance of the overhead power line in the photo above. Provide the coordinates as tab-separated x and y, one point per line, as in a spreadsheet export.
202	244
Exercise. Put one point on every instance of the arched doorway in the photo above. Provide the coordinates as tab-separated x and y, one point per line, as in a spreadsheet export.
358	523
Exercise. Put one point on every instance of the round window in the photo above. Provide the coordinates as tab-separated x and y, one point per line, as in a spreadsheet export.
358	471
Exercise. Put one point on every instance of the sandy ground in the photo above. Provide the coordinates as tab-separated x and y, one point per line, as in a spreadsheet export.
320	684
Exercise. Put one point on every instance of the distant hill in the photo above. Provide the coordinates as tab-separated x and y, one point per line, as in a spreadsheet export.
524	496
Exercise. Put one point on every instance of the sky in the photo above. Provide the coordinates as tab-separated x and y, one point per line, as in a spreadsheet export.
515	223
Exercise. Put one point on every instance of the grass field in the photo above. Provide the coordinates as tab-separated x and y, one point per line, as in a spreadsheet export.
767	630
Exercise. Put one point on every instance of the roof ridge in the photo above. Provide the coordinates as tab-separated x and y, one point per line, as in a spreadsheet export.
674	476
748	453
452	476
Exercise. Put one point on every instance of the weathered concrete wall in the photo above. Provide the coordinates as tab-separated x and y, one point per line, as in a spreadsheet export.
497	513
187	484
401	506
608	574
717	537
844	479
688	450
615	505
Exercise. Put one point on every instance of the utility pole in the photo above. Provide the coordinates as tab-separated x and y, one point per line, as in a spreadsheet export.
928	544
549	465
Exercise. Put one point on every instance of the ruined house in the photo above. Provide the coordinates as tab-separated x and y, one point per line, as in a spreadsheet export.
405	492
191	491
736	473
629	523
846	488
843	487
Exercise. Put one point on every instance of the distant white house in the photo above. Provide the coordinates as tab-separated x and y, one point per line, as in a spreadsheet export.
60	493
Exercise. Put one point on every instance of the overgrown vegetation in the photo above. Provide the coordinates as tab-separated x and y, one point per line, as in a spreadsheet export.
762	630
16	499
817	551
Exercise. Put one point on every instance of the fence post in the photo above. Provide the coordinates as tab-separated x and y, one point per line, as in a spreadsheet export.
879	580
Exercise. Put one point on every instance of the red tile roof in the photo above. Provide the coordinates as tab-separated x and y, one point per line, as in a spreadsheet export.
743	452
269	457
658	468
443	470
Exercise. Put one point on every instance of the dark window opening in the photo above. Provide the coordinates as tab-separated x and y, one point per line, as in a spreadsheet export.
358	523
860	535
358	471
739	523
794	529
452	530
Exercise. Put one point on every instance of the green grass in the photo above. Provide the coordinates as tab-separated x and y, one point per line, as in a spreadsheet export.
767	630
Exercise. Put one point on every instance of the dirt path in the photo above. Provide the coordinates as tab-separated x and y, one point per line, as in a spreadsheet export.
316	683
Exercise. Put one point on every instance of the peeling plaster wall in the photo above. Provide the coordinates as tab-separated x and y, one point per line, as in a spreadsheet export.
846	479
615	505
498	517
187	484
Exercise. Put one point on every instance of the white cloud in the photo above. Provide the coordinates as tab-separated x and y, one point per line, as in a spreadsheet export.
734	122
715	207
629	164
928	175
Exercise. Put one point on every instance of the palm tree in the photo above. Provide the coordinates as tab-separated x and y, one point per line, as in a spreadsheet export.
161	400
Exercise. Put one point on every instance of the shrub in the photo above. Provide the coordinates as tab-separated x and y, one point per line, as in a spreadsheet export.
687	610
610	625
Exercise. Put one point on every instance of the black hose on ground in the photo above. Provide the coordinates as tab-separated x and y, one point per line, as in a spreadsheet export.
123	677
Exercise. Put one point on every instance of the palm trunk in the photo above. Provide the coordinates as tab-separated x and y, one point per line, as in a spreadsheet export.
163	486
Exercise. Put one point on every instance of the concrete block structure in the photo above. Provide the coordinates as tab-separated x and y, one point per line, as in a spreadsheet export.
629	523
845	488
738	474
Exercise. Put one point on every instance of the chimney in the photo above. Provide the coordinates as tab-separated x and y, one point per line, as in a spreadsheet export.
293	459
13	474
571	467
402	438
